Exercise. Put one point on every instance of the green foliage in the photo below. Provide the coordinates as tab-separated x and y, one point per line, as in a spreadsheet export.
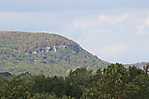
113	82
43	96
117	82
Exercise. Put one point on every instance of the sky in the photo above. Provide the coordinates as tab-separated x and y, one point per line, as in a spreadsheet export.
114	30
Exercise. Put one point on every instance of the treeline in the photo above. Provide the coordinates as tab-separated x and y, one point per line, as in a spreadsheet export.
114	82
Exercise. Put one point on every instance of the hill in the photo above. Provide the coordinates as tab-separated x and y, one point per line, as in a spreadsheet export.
43	53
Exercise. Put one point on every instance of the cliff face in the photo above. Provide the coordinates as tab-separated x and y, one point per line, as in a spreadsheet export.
43	53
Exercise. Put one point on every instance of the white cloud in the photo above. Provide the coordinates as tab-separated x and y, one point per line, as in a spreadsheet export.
115	49
143	28
99	20
146	23
32	21
112	19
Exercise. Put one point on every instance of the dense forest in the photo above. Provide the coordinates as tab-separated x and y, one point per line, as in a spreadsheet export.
113	82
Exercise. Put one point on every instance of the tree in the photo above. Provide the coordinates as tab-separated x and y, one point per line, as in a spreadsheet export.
110	84
77	81
18	88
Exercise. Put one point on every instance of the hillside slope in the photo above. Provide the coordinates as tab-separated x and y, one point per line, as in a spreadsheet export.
43	53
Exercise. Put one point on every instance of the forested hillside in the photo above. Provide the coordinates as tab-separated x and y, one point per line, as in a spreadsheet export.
43	53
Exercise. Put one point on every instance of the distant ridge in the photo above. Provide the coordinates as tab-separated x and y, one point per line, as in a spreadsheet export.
43	53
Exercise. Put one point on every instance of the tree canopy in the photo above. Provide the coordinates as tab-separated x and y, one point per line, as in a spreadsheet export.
113	82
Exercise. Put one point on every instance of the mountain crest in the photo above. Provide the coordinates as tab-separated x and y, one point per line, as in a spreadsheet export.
50	54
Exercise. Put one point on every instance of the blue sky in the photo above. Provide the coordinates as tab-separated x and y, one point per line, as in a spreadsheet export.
114	30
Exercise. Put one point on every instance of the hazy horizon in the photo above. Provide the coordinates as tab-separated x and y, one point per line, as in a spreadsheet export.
115	31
